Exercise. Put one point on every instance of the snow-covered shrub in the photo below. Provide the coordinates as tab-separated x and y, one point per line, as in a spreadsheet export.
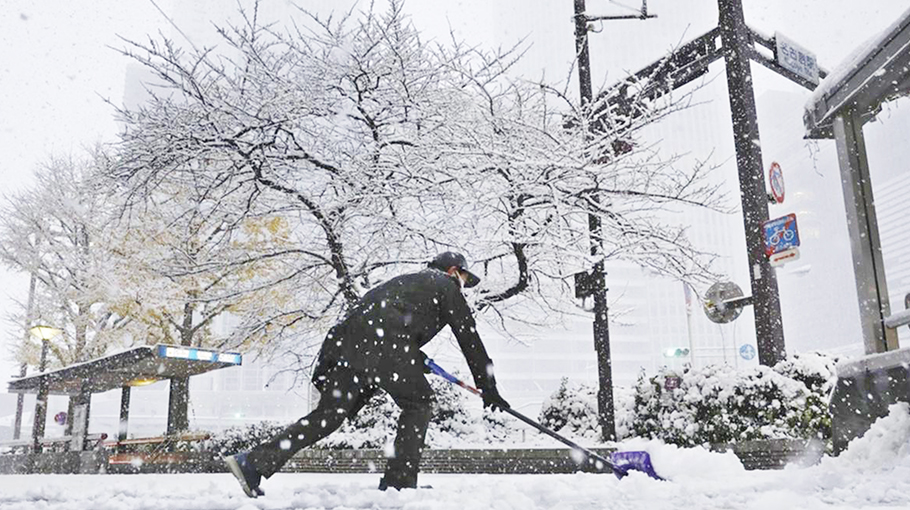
572	409
718	404
815	370
237	439
623	411
451	421
715	404
497	427
374	426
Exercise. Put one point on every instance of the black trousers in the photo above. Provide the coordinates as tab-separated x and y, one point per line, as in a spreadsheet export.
344	392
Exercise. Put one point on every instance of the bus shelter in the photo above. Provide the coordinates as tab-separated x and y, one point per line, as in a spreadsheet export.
876	73
135	367
851	96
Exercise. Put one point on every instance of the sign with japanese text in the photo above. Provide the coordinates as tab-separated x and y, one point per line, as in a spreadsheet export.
796	58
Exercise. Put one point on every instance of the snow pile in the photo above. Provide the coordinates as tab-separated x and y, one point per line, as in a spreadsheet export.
674	463
885	446
873	471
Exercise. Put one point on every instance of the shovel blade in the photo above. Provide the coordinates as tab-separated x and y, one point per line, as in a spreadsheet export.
623	462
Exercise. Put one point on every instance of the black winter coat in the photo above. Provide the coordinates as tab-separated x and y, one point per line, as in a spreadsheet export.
382	335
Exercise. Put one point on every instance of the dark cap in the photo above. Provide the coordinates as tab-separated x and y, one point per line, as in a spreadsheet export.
448	259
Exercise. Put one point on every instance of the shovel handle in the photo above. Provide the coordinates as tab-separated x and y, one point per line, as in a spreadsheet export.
592	456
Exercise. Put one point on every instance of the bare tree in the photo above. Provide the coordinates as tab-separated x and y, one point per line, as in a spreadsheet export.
379	149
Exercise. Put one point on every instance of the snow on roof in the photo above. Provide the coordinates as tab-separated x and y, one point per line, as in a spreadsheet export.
856	62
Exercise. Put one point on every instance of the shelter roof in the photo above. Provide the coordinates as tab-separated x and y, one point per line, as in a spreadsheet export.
135	367
877	71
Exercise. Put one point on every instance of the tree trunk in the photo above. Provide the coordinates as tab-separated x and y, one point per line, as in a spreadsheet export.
179	397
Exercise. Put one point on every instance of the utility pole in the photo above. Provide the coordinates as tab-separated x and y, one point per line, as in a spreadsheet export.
691	61
737	50
598	281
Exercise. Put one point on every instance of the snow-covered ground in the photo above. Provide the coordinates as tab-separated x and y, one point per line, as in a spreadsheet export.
873	473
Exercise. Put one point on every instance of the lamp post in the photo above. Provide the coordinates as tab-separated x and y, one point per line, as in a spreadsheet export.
45	333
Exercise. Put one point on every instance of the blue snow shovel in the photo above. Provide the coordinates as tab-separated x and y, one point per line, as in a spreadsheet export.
619	462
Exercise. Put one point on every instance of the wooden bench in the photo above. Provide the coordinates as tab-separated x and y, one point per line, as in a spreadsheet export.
151	450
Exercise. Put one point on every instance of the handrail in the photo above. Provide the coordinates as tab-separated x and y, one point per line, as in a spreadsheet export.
896	320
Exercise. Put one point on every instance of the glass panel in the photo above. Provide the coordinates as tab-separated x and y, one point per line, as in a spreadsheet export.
889	154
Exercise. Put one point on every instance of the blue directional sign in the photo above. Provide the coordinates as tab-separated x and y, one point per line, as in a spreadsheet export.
780	234
747	352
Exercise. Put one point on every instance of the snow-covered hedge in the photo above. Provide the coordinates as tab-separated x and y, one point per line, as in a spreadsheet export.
572	410
237	439
374	426
719	404
716	404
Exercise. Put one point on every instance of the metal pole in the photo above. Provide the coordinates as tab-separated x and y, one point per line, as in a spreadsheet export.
687	292
735	36
40	401
124	413
23	370
868	264
20	406
601	318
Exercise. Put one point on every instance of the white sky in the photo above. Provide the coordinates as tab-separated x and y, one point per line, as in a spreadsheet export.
56	68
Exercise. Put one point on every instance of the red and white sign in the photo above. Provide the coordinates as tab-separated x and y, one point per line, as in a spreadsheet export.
782	257
776	179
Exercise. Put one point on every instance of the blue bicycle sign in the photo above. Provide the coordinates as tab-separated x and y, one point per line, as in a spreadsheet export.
780	234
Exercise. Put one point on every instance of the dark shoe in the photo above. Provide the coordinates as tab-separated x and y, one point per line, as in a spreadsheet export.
245	473
384	485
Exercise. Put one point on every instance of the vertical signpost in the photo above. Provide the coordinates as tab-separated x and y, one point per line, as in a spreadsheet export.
736	40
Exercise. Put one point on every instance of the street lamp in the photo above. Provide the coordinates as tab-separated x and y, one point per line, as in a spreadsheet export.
45	333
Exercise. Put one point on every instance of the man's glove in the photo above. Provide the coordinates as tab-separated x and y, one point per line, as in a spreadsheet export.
492	399
422	358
